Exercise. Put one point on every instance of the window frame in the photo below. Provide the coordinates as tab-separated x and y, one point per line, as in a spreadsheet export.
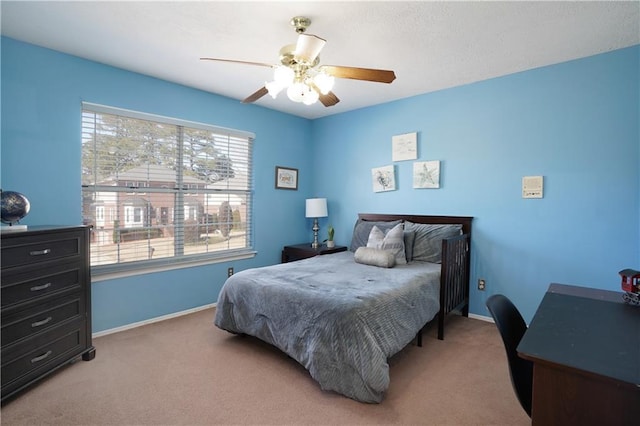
115	270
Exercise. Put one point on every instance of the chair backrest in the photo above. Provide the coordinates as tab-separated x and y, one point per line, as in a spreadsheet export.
512	327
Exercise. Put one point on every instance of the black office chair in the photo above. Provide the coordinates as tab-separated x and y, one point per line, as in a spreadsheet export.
512	327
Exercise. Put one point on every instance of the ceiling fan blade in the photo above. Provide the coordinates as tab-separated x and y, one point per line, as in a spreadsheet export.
330	99
368	74
262	64
308	47
255	95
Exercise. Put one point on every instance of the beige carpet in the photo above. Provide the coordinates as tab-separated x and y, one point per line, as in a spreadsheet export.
185	371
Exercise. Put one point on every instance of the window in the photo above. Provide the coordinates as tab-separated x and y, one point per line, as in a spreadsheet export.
163	192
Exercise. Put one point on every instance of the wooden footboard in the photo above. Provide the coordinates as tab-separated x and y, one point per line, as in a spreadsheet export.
454	278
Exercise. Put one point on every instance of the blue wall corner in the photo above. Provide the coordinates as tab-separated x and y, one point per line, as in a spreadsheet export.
574	123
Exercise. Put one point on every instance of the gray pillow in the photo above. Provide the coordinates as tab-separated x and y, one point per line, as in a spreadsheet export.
362	229
392	240
409	239
427	246
375	257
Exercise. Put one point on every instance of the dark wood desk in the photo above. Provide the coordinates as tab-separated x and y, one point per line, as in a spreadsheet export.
585	347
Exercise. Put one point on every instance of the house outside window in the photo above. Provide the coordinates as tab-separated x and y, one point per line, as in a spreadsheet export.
178	193
100	213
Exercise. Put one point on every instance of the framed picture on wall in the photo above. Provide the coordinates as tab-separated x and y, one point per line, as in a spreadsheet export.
383	179
286	178
404	147
426	174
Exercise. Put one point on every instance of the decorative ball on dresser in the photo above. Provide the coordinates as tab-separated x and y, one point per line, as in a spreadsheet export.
15	206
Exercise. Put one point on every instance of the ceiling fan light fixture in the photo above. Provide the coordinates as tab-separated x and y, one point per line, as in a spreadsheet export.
284	76
324	82
296	91
300	73
273	88
311	97
300	92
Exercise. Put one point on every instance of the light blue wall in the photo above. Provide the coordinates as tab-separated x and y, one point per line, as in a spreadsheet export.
576	123
42	91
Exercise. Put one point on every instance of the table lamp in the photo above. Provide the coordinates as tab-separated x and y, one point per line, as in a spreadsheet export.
316	207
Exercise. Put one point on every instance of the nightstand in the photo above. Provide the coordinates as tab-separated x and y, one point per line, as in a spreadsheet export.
304	251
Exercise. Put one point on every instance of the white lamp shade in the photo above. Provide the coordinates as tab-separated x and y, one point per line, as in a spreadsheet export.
283	76
316	207
273	88
311	97
308	48
324	82
296	92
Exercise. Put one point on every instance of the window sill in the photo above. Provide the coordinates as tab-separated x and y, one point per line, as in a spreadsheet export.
97	275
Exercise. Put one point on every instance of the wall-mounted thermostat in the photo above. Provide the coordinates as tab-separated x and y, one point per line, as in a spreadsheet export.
532	187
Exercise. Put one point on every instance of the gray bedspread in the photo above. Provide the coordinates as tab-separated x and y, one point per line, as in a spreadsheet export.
340	319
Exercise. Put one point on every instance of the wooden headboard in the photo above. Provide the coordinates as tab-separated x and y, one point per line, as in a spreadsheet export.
456	262
465	221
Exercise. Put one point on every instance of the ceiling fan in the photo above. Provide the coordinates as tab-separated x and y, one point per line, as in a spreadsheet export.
300	74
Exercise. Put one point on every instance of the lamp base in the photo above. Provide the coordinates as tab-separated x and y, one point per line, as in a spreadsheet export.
315	229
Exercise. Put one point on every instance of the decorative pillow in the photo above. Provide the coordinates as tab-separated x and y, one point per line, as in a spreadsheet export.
362	229
427	246
375	257
392	241
409	239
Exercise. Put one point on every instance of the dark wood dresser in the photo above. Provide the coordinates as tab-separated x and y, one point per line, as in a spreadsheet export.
46	303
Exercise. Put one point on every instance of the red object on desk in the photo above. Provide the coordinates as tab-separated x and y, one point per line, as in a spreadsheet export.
631	286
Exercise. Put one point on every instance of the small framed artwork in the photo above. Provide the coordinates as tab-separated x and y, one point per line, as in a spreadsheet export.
404	147
383	178
532	186
286	178
426	174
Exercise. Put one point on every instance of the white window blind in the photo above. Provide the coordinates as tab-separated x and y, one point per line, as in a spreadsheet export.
159	191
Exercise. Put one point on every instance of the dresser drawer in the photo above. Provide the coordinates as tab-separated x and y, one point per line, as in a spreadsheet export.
23	286
40	318
25	251
42	358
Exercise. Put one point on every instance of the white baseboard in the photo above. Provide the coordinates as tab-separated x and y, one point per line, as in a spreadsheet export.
152	320
481	317
201	308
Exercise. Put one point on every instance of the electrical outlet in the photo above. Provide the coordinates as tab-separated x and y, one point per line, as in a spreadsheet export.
481	284
229	272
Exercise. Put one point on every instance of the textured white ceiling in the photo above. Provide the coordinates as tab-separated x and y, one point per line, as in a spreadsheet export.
430	45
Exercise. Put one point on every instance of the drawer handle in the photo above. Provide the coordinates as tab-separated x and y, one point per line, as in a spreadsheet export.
40	252
40	287
40	323
41	357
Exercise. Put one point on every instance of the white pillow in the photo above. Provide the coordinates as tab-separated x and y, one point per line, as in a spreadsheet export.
375	257
392	241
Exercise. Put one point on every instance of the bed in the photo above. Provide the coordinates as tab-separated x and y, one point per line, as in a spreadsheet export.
342	317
